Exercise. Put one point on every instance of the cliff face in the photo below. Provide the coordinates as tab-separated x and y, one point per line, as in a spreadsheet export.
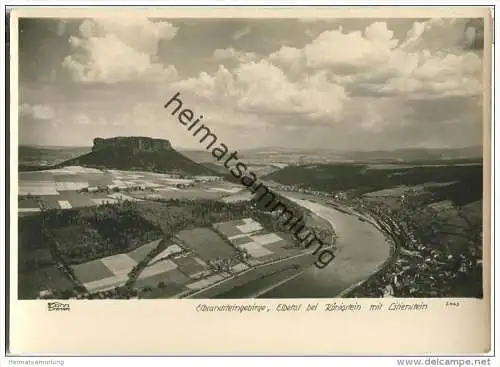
137	153
136	144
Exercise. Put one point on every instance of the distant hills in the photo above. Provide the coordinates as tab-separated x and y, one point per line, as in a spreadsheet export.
48	156
134	154
417	154
143	153
459	183
279	157
377	156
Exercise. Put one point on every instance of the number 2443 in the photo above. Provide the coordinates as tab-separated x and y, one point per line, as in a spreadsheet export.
452	304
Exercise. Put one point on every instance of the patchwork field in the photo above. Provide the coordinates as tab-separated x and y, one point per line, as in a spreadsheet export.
169	251
240	196
249	235
112	271
191	266
169	277
203	283
173	193
103	246
29	204
106	283
206	243
163	266
167	291
173	276
73	187
141	252
92	271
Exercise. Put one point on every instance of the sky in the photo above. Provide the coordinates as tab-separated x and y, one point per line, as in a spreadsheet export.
342	84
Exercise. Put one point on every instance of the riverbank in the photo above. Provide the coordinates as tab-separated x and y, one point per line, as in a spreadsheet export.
381	226
361	250
394	251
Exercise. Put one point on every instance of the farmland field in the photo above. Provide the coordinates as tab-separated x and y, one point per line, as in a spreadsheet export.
56	186
112	271
168	277
106	283
203	283
240	240
261	244
91	271
103	244
169	290
28	203
279	247
189	266
242	196
120	264
158	267
76	199
141	252
229	229
206	243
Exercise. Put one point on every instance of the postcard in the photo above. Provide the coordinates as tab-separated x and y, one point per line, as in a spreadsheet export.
250	181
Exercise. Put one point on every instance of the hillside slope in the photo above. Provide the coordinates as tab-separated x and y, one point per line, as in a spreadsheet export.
464	183
137	153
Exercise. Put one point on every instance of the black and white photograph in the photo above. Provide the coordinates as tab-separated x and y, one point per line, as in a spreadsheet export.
246	158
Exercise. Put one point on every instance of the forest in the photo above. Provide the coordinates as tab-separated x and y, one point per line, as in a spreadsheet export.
466	181
89	233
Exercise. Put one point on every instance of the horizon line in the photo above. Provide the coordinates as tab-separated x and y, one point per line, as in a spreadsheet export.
274	147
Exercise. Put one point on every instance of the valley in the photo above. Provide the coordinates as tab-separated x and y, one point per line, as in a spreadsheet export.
133	218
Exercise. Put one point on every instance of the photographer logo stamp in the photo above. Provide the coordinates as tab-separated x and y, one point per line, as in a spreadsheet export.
58	306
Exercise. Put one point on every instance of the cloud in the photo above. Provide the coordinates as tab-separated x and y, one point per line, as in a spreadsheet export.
317	80
376	61
82	119
374	114
263	88
353	51
436	35
474	35
286	56
346	83
439	76
114	50
309	32
342	53
242	33
317	20
367	86
37	112
232	54
61	27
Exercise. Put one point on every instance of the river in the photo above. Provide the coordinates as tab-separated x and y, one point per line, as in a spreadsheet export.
361	249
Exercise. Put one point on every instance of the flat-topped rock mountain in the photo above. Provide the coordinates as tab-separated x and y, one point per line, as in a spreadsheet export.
137	153
134	143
